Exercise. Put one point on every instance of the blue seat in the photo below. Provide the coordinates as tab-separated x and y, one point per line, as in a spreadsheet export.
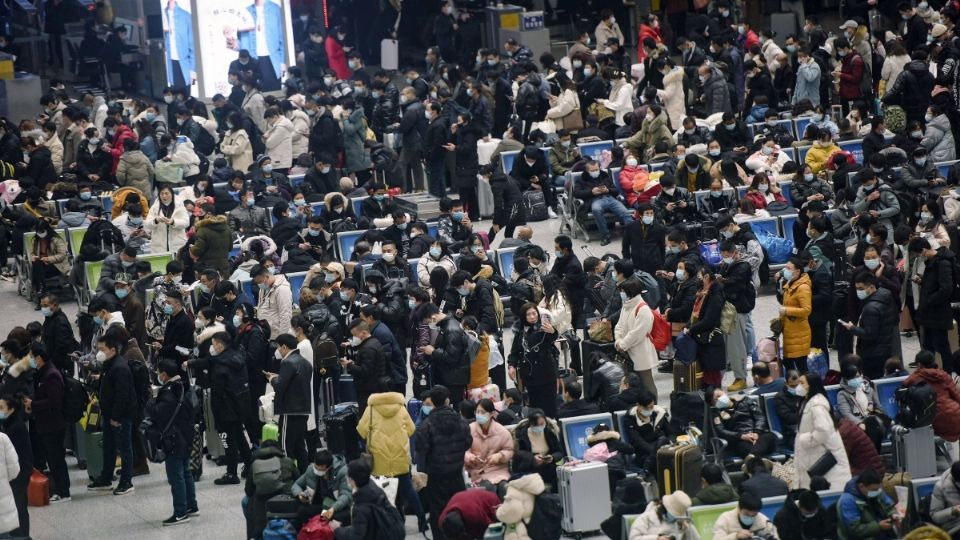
785	190
704	193
773	419
621	424
944	167
345	242
654	167
615	176
772	505
356	205
919	488
741	192
250	288
433	228
318	208
296	283
855	147
592	150
799	125
802	153
829	498
296	180
576	430
832	392
546	159
786	225
504	258
887	394
506	160
107	204
234	252
413	267
791	151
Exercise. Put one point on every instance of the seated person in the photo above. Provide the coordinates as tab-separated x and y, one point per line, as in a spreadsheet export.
861	453
453	227
864	510
732	134
323	489
631	388
781	132
647	428
522	491
744	521
563	155
598	193
665	519
739	421
469	513
769	158
716	203
715	490
48	257
264	460
573	403
787	403
945	499
492	449
378	208
130	223
857	401
636	184
539	435
761	483
763	379
804	516
367	495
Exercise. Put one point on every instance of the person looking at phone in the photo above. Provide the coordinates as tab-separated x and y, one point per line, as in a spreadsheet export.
864	510
879	319
533	358
666	519
323	489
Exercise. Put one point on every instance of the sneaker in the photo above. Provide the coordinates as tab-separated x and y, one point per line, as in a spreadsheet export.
124	489
193	511
605	241
738	385
175	520
54	499
551	213
227	479
100	485
665	367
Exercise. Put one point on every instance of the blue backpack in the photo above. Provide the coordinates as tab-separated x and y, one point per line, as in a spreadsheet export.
778	249
279	529
710	251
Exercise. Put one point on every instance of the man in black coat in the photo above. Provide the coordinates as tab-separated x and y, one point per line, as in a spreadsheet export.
530	171
394	354
915	35
879	317
178	337
476	296
644	241
936	291
412	126
598	192
803	516
435	137
369	363
172	406
738	289
568	268
573	402
443	439
321	178
448	354
326	135
292	398
57	334
49	426
118	407
821	277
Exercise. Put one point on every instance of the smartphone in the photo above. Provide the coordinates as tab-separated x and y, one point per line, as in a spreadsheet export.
841	321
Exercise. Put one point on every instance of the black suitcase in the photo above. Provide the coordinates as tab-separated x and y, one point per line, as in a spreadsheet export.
686	377
341	433
686	409
282	507
678	468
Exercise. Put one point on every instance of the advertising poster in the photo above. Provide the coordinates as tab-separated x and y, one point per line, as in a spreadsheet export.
178	44
261	27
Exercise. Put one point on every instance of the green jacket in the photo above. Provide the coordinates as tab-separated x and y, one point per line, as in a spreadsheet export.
858	518
562	159
716	494
652	132
212	243
336	482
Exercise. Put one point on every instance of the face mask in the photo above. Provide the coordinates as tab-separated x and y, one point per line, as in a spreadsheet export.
251	201
344	297
463	291
594	174
855	382
841	54
920	161
482	419
767	151
168	309
862	295
203	288
916	134
787	274
713	153
237	321
97	320
741	30
623	297
329	81
565	143
355	341
537	429
673	249
726	232
213	351
723	401
587	72
872	264
313	232
817	117
101	356
868	238
631	162
353	65
94	141
435	252
926	216
379	197
426	410
680	274
121	293
716	194
199	323
647	220
457	216
577	64
746	520
299	202
135	221
85	195
728	260
277	355
329	278
808	176
41	235
874	493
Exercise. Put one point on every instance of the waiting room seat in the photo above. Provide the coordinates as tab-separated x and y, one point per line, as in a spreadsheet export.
628	520
574	432
855	147
785	191
345	241
357	201
91	270
920	488
944	167
786	227
75	239
296	180
594	150
296	283
703	517
802	153
772	505
800	125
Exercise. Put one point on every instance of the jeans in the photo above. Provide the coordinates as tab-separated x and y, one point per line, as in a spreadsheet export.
406	490
54	453
936	340
181	484
117	439
293	437
436	178
600	204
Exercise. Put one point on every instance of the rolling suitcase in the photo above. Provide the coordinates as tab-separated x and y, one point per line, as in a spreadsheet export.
346	391
341	432
79	448
585	495
93	447
678	468
390	54
686	377
914	450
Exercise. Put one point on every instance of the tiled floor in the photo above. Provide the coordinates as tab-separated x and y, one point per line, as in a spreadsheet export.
94	516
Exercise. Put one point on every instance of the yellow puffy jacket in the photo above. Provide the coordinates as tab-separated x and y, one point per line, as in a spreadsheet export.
387	427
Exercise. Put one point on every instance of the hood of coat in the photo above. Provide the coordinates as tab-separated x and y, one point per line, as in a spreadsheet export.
215	223
632	303
916	67
267	450
486	272
209	331
818	401
934	376
659	413
74	219
19	367
658	121
529	483
387	404
602	436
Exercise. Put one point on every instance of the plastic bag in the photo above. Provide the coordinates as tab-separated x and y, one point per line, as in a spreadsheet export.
710	251
818	361
778	249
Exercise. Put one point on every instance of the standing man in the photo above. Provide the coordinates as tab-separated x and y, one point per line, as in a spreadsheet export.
47	409
276	299
437	135
118	406
292	399
173	407
57	334
447	356
879	317
413	125
368	364
567	267
936	289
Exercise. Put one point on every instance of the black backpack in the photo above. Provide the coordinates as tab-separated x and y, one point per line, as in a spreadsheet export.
917	405
75	399
389	522
205	144
141	382
545	521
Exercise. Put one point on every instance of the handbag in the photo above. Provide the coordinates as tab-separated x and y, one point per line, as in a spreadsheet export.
600	331
572	121
822	465
159	444
785	471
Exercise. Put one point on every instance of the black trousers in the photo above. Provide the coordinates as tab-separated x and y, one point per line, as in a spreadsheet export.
799	364
456	394
19	487
764	446
54	452
440	489
41	273
234	445
544	396
468	196
293	434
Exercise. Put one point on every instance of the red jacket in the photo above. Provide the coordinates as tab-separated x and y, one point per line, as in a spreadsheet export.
851	72
759	200
116	147
646	31
627	178
337	59
477	506
946	424
860	449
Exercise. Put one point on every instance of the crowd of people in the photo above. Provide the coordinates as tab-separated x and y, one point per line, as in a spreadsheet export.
217	350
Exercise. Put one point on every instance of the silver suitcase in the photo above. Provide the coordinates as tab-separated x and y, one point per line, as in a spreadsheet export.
485	199
585	495
424	205
915	451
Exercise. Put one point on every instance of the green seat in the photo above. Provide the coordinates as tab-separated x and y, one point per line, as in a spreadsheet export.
628	520
75	239
158	263
703	517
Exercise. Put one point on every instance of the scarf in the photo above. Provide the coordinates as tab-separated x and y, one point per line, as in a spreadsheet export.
167	209
698	303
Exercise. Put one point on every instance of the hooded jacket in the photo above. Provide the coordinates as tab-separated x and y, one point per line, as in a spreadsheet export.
727	526
879	318
632	333
496	441
236	148
716	494
946	423
936	289
816	437
212	243
167	238
716	94
279	142
387	427
938	139
649	526
861	452
517	507
451	365
859	517
798	304
135	170
443	439
335	482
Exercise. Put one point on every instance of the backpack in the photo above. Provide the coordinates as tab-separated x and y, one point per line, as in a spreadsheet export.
536	285
104	236
661	332
528	106
267	476
389	522
279	529
917	405
75	399
728	318
204	145
141	382
545	521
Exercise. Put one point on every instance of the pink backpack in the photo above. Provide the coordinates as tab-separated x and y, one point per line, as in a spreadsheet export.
598	452
768	350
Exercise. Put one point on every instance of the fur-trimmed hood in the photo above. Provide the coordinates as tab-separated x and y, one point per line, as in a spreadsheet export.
211	221
603	436
209	331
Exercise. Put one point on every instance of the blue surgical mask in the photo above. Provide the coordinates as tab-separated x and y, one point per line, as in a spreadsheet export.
872	264
920	161
33	362
558	254
426	410
97	320
411	303
344	297
716	194
855	382
435	252
680	274
313	232
135	221
457	216
673	249
299	202
746	520
203	288
85	195
623	297
647	220
646	413
251	201
482	419
380	197
862	295
808	176
463	291
167	309
46	312
723	401
329	278
873	494
787	274
121	293
267	169
237	321
402	226
537	429
668	517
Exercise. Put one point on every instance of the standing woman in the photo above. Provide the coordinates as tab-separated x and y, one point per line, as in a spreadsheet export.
705	328
236	145
817	437
466	135
167	222
632	333
15	443
508	211
336	56
672	95
794	313
354	134
533	359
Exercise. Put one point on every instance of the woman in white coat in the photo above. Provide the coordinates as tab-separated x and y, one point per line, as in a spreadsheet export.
564	104
672	94
167	222
632	333
818	436
9	469
621	94
664	519
279	140
301	128
236	145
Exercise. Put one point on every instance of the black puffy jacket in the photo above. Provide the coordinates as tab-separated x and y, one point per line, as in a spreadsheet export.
744	416
118	399
443	438
879	318
451	365
533	354
738	286
229	384
161	410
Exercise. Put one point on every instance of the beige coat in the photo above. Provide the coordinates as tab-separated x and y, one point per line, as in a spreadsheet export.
632	334
604	32
56	250
387	427
649	527
9	469
276	306
135	170
167	238
279	142
237	149
815	437
673	97
727	525
56	152
254	105
518	503
566	103
301	132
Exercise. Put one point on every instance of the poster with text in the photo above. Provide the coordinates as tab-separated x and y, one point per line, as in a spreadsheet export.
261	27
178	45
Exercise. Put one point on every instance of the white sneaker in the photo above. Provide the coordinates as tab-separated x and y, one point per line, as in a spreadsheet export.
54	499
552	214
